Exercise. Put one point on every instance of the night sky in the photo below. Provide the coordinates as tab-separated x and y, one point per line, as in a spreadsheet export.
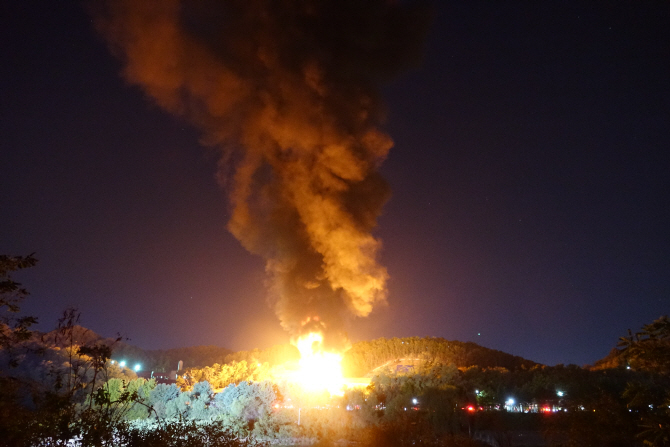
530	179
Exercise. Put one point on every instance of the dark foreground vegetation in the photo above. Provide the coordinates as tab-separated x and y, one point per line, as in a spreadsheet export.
61	388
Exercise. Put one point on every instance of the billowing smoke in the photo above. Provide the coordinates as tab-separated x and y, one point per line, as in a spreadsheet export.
288	91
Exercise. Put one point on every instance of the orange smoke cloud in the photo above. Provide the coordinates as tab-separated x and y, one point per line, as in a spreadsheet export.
287	91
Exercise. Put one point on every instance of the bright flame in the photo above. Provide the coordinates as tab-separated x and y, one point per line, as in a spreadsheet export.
318	370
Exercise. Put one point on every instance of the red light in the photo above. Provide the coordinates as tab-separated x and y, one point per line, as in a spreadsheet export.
471	409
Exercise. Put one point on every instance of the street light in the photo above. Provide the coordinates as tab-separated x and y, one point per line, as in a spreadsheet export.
560	393
137	367
122	363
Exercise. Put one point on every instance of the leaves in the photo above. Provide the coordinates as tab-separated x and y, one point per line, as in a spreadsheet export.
365	356
11	292
648	349
220	376
13	330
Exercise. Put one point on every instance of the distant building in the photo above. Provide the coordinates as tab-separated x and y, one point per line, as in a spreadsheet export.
161	377
398	366
144	374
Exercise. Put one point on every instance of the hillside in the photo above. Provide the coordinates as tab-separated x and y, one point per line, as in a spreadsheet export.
611	361
274	355
162	360
121	350
79	335
166	360
365	356
360	360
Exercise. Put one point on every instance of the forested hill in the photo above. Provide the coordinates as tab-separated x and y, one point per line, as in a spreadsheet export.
274	355
365	356
81	336
74	335
360	360
164	360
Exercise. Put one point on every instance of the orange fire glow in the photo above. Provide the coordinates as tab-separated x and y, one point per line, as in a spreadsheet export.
318	370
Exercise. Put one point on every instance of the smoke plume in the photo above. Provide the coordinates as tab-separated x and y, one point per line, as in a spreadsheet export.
287	90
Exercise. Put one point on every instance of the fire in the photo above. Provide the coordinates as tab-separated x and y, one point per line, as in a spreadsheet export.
318	370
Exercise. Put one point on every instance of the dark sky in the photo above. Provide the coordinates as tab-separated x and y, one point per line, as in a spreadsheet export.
530	177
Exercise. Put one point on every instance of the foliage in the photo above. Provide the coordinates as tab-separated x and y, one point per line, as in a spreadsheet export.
160	400
220	376
180	433
273	356
365	356
63	388
62	392
247	407
430	396
131	398
655	426
11	292
604	420
166	360
603	407
648	393
13	329
199	357
648	349
200	398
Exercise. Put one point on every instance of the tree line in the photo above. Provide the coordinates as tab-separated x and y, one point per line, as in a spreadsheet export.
364	356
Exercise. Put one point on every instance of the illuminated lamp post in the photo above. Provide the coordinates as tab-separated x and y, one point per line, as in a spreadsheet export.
560	395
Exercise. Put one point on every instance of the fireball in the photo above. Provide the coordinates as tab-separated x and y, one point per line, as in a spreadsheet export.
318	370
